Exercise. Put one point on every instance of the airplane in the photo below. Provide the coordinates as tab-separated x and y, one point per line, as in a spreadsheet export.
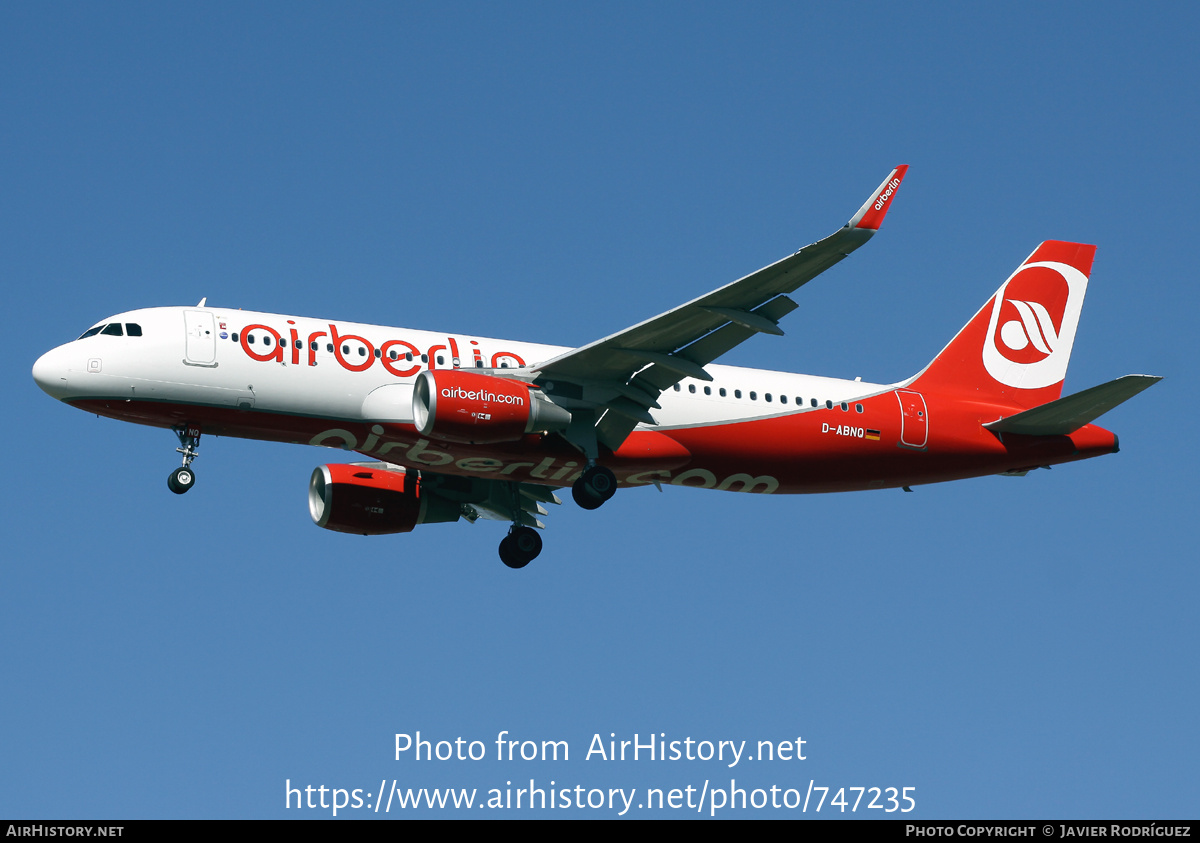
464	427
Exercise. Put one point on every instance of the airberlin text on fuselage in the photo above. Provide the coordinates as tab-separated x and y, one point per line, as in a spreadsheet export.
405	364
549	469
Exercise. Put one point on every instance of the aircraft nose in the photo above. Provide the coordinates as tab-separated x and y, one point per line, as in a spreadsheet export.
50	373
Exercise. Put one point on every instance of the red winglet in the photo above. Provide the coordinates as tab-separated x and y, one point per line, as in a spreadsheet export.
870	216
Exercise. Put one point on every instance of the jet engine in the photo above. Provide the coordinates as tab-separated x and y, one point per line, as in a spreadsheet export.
459	406
373	500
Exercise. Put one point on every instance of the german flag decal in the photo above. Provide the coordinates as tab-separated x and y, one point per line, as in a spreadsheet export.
873	434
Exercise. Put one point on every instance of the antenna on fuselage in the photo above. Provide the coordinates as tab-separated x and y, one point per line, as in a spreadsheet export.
202	301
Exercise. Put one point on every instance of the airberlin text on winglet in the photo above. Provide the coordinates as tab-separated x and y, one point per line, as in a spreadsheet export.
871	215
887	194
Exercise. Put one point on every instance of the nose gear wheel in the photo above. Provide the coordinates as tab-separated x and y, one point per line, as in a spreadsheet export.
183	478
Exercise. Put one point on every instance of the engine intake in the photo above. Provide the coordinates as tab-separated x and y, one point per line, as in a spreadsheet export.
372	501
468	407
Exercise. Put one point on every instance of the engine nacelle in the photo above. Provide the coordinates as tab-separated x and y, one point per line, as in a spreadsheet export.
371	501
461	406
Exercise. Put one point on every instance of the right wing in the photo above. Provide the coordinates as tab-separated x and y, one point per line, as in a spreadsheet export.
612	384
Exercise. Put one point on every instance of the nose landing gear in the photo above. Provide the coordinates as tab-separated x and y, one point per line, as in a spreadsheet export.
183	478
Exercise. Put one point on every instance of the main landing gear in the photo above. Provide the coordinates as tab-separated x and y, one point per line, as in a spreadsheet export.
522	544
595	486
183	478
520	547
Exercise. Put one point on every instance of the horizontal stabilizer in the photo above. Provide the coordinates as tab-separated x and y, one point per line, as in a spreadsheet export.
1066	415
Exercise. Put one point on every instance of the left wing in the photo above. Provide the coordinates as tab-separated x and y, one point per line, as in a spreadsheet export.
612	384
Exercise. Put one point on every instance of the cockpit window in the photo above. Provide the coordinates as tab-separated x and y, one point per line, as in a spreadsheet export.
113	329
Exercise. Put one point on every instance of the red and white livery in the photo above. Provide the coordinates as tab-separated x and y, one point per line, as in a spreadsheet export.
456	426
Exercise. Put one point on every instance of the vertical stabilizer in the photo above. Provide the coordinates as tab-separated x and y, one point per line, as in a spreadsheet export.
1017	347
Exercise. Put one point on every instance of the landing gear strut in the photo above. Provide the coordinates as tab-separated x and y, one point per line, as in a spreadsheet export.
183	478
520	547
595	486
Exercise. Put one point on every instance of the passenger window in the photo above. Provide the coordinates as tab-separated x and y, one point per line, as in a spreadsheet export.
234	336
814	402
677	387
722	392
133	329
408	356
737	393
753	395
828	405
782	399
250	338
692	388
113	330
362	352
266	340
283	343
768	397
393	355
858	408
313	346
329	347
708	390
424	358
441	360
345	349
845	407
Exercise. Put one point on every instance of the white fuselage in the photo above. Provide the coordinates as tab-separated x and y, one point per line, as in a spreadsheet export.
293	365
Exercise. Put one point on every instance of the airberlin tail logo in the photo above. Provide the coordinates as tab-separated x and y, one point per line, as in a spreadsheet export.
1033	334
1033	323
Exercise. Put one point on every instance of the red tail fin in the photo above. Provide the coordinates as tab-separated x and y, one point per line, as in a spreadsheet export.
1016	348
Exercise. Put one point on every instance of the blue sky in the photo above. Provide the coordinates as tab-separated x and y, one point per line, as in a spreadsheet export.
1007	647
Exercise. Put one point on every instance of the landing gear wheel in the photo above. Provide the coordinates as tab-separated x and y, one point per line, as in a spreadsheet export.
181	479
594	487
520	547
